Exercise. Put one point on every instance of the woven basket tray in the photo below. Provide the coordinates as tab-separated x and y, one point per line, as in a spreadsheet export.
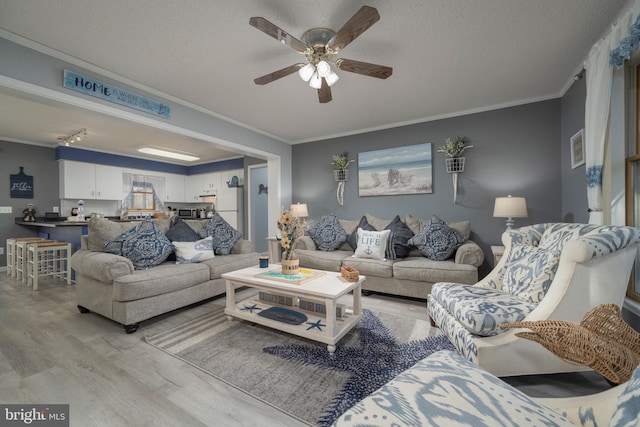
602	341
350	274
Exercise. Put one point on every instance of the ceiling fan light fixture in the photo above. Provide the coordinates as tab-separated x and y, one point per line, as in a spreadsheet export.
331	78
306	72
323	68
316	81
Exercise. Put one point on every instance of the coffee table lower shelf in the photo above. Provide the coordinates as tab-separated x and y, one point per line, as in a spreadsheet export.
316	327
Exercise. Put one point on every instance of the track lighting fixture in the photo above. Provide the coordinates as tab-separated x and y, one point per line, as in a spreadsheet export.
76	136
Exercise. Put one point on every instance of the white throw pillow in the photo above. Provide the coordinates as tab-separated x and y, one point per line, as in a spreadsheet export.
198	251
371	244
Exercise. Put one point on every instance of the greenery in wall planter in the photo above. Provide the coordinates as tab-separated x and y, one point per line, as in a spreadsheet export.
341	162
454	148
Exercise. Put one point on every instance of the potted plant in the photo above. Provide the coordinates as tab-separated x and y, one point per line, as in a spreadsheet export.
454	149
341	162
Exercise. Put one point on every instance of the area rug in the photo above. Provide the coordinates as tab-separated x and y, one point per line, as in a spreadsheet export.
295	375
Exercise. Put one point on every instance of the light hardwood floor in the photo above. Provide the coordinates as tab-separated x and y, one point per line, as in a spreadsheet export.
50	353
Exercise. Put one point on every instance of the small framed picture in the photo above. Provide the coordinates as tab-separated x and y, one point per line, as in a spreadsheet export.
577	149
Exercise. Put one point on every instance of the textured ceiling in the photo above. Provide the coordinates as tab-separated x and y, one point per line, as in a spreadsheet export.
448	56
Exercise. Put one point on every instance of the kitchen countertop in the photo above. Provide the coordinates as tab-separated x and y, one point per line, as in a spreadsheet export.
40	222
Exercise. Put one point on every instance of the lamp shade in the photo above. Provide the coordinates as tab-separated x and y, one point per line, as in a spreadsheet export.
306	72
299	210
510	207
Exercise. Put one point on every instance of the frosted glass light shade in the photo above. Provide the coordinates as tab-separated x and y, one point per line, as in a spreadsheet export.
323	68
306	72
331	78
316	81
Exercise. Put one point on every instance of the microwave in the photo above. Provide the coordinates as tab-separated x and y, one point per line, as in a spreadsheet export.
189	213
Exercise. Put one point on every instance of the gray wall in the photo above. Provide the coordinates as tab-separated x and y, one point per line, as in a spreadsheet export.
38	162
574	182
516	151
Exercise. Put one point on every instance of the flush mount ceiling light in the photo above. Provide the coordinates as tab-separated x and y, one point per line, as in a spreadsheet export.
319	46
76	136
166	152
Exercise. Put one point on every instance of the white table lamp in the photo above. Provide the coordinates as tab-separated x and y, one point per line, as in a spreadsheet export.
299	210
510	207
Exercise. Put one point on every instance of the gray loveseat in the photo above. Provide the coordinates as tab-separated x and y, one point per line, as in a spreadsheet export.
412	276
109	285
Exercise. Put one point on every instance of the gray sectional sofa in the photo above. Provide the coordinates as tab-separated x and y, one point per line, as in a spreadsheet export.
109	284
411	276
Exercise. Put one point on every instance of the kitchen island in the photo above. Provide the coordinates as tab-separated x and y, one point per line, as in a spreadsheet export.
62	231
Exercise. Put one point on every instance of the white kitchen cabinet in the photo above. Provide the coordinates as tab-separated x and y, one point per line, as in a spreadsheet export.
193	188
174	188
79	180
211	183
227	197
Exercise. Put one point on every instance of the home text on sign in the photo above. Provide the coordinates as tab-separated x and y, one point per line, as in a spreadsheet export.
114	94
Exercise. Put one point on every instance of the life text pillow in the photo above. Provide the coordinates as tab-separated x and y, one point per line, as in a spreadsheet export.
530	271
198	251
328	234
372	244
352	239
145	245
436	240
224	235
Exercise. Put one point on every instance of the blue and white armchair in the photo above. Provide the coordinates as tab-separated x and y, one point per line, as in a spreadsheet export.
548	271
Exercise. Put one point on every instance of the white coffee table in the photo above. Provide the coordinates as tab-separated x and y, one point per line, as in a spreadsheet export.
326	288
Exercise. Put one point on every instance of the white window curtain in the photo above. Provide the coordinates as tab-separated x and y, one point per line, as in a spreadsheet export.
613	49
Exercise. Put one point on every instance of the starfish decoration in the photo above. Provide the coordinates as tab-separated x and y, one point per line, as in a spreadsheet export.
250	308
317	324
373	362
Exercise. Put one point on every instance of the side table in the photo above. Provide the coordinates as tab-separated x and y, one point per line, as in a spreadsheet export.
498	252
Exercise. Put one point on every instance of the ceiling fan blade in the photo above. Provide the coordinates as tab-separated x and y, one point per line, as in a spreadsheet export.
277	33
324	93
358	24
365	68
268	78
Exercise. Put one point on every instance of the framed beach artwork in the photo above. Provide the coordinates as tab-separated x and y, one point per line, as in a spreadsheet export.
394	171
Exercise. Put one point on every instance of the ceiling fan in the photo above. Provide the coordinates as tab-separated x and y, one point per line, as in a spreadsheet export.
319	46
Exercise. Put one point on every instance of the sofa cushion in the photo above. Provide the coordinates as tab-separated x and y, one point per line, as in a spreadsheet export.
421	269
480	310
161	279
372	244
529	273
401	235
329	261
225	264
224	235
328	234
463	228
198	251
370	266
445	389
378	223
102	230
145	245
180	231
436	240
352	238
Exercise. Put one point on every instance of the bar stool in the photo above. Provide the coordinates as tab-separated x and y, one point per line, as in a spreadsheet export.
11	253
21	257
48	259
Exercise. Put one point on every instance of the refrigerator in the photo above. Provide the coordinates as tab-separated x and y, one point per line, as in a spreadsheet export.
230	206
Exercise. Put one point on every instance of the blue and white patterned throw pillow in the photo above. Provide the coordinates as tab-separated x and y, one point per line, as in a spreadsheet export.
144	245
530	271
198	251
436	240
628	410
224	235
328	234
